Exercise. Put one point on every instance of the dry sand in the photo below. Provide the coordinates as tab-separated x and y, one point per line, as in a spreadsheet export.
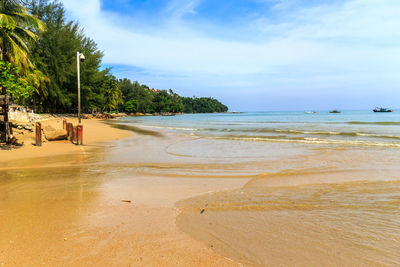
94	131
57	214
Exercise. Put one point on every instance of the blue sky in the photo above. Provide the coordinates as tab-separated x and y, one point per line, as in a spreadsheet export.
254	55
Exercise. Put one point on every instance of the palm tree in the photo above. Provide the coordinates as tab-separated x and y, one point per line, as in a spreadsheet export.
17	28
112	93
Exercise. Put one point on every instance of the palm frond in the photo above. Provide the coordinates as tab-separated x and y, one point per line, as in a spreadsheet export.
17	29
29	20
26	34
17	54
19	41
6	20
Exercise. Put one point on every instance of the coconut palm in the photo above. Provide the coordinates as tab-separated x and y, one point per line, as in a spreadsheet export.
17	28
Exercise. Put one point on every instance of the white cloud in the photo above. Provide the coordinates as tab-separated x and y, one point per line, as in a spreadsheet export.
350	44
83	9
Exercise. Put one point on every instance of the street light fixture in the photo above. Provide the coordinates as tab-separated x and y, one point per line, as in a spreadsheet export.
79	57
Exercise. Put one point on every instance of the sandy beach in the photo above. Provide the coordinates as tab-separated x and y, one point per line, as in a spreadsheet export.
63	204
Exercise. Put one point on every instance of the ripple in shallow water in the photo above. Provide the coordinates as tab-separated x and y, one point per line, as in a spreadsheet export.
346	224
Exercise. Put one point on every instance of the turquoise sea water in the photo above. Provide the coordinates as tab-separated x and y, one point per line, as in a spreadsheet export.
359	128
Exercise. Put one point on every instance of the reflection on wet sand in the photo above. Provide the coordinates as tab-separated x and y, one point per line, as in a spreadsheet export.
69	210
38	210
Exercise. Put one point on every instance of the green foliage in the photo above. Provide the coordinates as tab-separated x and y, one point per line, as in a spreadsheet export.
18	27
139	98
16	87
203	105
55	55
113	95
131	105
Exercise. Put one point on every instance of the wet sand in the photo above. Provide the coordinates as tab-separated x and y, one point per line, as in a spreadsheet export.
74	221
83	208
162	199
346	215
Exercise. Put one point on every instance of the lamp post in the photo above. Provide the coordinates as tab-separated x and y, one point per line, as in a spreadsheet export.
79	57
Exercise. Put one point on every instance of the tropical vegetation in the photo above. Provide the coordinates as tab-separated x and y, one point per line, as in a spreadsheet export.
39	45
140	98
17	87
17	28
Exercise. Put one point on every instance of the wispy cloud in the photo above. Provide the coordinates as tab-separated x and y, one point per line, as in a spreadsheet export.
281	4
342	45
180	8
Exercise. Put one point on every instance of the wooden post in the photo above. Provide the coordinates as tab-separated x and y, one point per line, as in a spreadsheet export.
7	127
79	130
74	134
64	124
4	102
38	134
69	130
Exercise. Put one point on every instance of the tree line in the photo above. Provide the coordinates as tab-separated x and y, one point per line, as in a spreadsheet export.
140	98
38	67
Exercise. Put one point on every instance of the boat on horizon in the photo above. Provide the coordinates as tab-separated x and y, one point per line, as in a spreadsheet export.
311	112
376	109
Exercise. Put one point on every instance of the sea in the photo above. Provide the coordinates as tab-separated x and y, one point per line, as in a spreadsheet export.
323	188
358	128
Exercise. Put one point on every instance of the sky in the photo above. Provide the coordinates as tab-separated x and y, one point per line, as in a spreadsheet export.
253	55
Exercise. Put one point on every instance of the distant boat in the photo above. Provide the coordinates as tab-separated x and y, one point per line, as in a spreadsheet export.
311	112
335	111
383	110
